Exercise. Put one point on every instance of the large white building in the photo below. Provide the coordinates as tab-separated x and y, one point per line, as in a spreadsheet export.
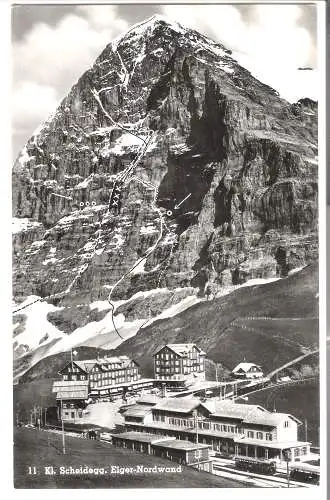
179	362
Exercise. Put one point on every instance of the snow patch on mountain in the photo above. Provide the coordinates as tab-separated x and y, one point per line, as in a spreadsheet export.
19	225
36	326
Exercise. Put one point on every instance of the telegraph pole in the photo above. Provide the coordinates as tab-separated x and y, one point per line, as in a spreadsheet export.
306	429
287	459
63	435
196	427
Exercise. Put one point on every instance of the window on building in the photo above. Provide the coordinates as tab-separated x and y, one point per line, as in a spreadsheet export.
198	454
74	377
65	377
286	423
259	435
268	436
250	434
82	377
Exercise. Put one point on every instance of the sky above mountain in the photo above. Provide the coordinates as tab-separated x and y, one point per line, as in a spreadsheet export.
54	44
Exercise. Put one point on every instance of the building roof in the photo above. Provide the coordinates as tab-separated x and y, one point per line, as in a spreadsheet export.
142	437
74	394
178	405
230	409
86	365
272	419
69	385
179	444
71	389
180	349
249	414
245	367
136	411
128	385
280	445
149	399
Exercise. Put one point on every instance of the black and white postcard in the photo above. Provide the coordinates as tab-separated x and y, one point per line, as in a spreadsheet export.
167	166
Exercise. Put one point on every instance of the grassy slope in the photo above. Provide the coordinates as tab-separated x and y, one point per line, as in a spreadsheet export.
218	326
40	448
302	401
38	392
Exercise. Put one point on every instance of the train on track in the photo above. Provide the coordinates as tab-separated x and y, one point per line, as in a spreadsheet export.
259	466
305	473
301	472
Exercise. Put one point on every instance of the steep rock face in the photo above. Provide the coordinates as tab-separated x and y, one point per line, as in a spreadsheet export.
164	115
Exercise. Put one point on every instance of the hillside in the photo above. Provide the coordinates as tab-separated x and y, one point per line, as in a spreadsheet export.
302	401
42	448
224	329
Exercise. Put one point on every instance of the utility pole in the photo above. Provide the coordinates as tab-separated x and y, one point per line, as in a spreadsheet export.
196	424
196	427
306	429
45	421
287	459
63	435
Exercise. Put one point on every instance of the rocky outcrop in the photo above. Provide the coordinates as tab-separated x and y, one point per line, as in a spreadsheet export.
244	160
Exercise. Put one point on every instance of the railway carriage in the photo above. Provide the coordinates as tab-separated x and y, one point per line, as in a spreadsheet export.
255	465
305	473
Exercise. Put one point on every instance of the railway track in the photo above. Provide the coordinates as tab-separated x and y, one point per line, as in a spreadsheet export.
259	480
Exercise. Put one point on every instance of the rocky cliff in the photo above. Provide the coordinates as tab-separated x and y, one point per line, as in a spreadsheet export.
167	172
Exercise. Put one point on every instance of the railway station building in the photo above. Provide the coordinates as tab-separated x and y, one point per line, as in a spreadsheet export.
227	427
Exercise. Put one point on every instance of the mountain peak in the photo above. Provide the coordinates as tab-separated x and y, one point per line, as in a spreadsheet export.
161	26
148	25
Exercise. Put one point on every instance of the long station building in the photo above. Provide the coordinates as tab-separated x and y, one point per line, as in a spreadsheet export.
227	427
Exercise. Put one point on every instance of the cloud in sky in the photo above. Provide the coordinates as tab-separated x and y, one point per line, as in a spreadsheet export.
272	45
269	40
48	60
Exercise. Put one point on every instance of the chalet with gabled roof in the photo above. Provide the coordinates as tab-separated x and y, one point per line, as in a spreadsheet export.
247	370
